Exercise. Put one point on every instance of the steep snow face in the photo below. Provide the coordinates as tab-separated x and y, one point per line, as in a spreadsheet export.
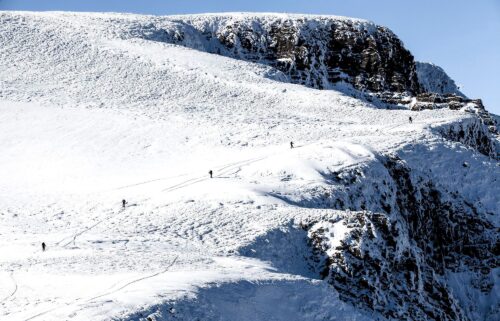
434	79
368	217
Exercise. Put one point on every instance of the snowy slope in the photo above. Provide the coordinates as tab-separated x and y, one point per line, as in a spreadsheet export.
434	79
92	114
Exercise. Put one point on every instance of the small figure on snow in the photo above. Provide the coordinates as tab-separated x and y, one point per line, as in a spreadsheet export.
210	173
124	202
291	144
43	246
410	120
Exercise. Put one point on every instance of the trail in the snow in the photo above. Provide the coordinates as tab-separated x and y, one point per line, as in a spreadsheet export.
221	171
74	236
107	293
224	170
11	275
137	280
150	181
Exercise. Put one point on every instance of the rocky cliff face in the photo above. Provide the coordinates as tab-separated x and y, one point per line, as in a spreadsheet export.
401	243
315	51
322	52
477	133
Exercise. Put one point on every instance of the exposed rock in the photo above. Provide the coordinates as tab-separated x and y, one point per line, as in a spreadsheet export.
319	52
316	51
474	133
431	100
394	257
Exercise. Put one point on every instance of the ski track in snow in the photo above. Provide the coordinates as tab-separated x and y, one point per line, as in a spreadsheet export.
90	300
225	169
11	275
73	238
137	280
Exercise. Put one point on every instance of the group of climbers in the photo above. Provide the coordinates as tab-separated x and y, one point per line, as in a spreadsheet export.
211	173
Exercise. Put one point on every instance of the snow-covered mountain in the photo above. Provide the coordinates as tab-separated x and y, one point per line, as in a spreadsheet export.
368	217
434	79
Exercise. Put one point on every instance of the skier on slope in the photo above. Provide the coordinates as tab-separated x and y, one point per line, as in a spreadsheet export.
124	202
43	246
291	144
410	120
210	173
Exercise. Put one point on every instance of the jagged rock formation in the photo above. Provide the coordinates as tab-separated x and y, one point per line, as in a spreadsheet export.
397	255
431	100
321	52
315	51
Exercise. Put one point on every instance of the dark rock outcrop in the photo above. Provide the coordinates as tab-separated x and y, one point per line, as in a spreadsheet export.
392	254
478	133
322	52
315	51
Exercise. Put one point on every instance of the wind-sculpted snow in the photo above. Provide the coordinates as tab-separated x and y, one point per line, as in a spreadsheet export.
368	217
434	79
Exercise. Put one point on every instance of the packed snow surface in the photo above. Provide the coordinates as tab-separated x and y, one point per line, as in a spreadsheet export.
90	117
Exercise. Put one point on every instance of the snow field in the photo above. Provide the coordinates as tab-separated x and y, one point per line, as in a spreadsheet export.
90	117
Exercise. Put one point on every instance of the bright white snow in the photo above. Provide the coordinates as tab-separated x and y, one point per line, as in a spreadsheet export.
89	118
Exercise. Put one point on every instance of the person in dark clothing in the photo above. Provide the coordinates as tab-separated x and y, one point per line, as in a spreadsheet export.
410	120
210	173
291	144
43	246
124	202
